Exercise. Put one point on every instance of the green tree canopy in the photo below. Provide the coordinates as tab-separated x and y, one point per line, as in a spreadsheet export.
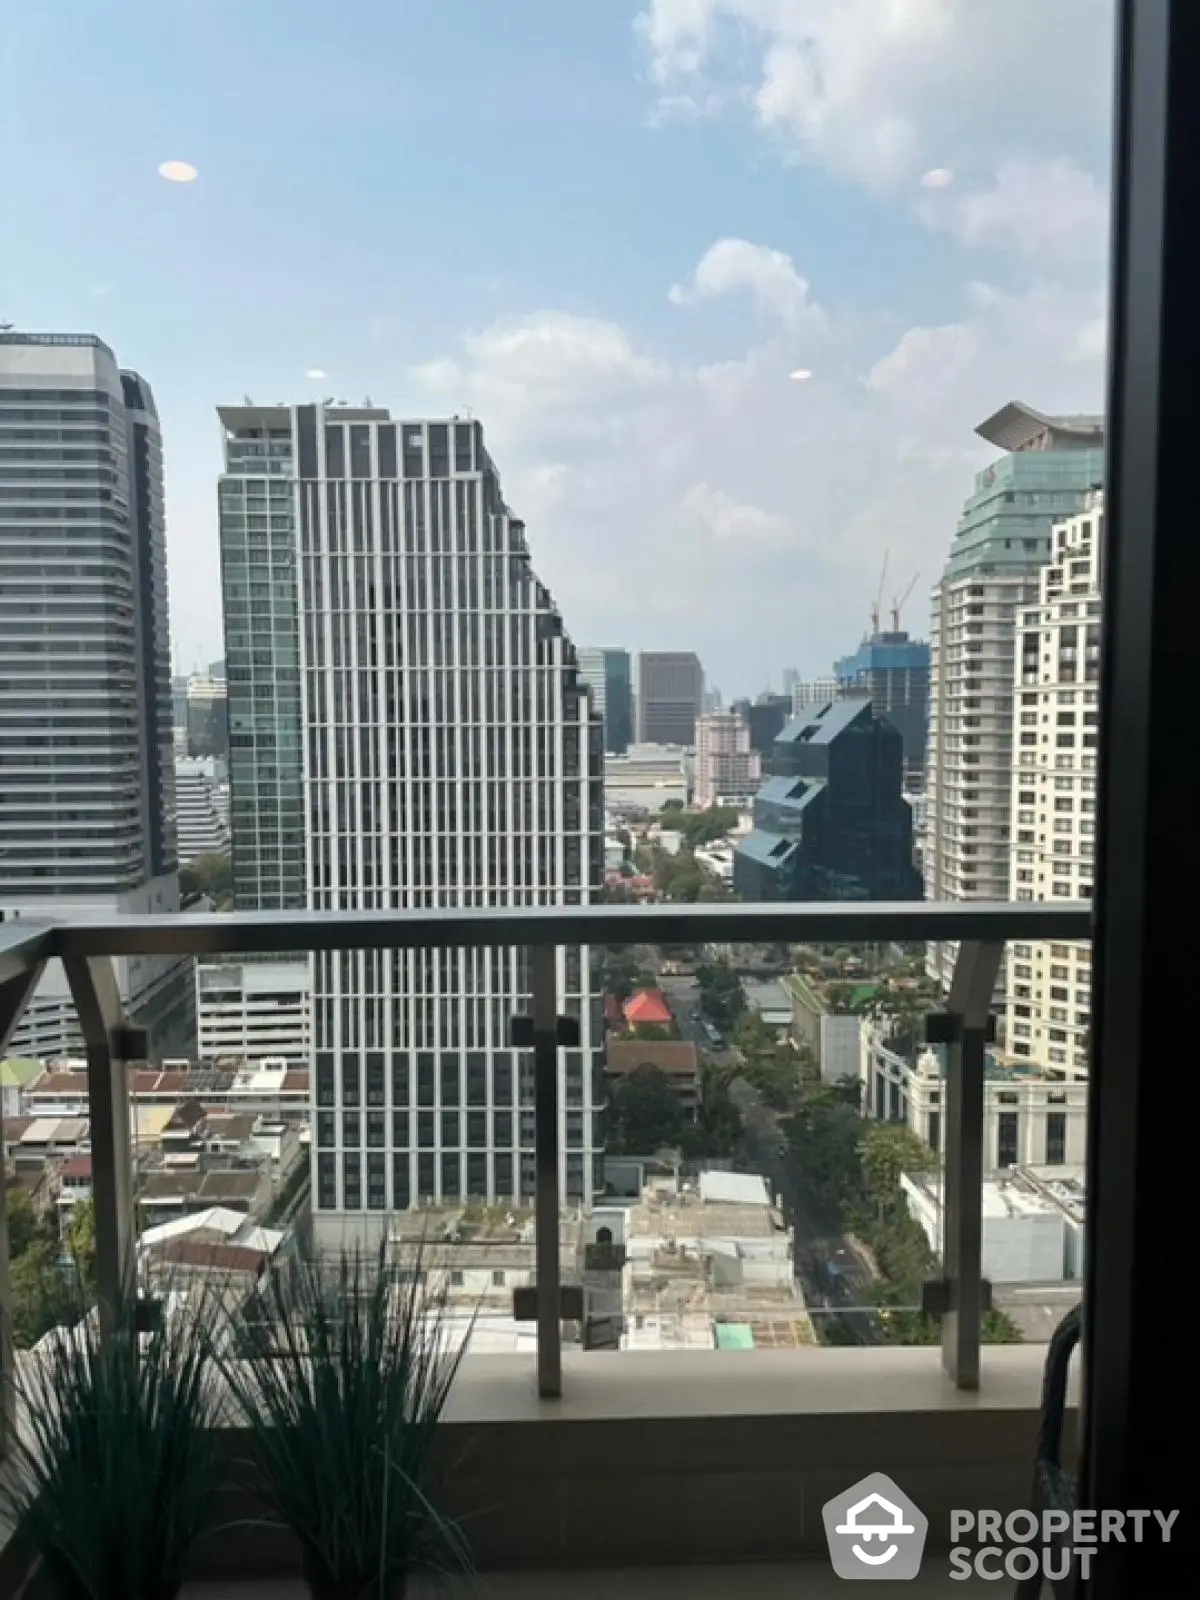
81	1240
211	875
720	992
645	1112
25	1227
888	1149
703	827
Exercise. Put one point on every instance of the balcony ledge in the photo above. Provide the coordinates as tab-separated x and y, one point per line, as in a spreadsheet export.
673	1458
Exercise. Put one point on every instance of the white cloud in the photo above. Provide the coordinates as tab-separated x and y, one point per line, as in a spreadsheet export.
725	521
735	266
1051	212
714	505
880	91
924	357
937	178
316	374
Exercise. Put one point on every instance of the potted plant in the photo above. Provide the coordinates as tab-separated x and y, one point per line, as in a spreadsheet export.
115	1458
342	1382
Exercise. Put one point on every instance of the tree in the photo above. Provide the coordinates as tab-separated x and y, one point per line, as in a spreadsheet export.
718	1129
25	1227
622	974
651	1031
211	875
81	1240
720	992
645	1112
41	1299
703	827
889	1149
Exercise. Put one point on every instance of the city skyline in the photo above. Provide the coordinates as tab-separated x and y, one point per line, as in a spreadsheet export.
757	387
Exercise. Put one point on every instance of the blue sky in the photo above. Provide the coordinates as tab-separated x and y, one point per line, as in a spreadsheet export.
614	228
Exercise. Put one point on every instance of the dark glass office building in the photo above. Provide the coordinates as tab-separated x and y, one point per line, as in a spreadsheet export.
831	822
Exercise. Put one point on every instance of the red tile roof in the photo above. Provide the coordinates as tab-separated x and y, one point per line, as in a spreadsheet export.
648	1006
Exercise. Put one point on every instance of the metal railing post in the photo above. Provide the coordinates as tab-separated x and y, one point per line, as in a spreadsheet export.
546	1202
110	1044
15	993
965	1029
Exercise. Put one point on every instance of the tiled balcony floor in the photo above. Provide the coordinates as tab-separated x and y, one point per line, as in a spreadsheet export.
808	1580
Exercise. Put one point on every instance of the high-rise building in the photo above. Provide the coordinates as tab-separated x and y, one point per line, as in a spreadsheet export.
608	675
811	691
727	766
201	812
452	758
670	695
260	598
893	670
766	719
87	808
1051	466
1055	737
832	822
207	713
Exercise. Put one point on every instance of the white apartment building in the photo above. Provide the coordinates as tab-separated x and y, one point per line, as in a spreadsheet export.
728	768
202	813
1055	738
254	1010
965	849
1030	1115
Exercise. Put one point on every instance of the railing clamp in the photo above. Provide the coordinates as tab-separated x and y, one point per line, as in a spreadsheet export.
523	1035
936	1296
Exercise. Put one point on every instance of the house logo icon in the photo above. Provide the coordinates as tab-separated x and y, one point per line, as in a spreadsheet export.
875	1531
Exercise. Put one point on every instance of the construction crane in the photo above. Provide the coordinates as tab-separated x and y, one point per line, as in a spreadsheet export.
897	605
878	606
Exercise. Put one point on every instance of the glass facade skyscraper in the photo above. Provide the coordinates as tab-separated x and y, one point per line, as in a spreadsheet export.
609	676
259	585
832	822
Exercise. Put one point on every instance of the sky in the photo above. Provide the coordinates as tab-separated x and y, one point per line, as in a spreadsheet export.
729	283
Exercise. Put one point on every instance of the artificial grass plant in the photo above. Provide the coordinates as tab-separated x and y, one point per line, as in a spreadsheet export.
115	1458
342	1382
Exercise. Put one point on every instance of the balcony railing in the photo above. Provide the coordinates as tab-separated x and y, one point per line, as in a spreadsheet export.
86	949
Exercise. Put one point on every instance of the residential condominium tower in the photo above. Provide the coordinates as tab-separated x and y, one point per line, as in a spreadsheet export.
87	810
727	767
451	758
1051	466
1055	738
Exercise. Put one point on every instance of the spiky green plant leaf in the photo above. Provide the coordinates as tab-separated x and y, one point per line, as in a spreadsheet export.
116	1458
343	1392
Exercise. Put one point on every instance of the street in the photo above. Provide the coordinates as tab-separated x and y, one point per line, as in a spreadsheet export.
829	1272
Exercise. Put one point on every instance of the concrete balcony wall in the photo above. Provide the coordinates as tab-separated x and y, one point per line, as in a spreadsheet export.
664	1459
